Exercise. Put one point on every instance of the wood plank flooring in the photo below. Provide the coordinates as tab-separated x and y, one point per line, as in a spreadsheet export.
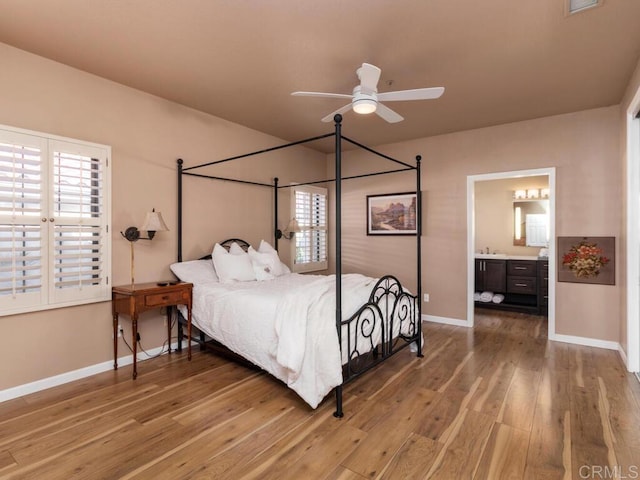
496	402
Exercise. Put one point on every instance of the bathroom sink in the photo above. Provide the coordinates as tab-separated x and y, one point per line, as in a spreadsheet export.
491	255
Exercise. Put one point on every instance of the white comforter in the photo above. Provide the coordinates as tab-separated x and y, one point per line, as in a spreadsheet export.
285	325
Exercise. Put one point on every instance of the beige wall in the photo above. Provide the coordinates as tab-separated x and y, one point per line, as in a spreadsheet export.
147	135
584	148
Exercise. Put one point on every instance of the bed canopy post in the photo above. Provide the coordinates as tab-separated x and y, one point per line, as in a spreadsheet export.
338	119
179	162
419	251
275	212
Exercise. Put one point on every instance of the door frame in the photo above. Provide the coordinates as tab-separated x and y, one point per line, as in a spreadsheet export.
471	236
632	357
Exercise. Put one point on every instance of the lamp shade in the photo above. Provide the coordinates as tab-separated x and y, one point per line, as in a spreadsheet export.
293	226
153	222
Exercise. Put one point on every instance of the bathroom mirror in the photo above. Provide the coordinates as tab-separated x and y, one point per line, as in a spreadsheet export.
531	223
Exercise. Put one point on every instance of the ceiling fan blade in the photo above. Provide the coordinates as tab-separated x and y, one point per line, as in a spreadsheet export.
369	76
341	110
415	94
387	114
321	94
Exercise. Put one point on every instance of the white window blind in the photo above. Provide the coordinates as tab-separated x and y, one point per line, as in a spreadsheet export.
310	207
54	216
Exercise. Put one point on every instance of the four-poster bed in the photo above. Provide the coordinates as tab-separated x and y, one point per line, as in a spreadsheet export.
373	318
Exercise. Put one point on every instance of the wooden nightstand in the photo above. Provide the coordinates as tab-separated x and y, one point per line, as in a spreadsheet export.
135	299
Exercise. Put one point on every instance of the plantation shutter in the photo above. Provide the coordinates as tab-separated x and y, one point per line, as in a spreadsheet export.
22	246
79	222
311	242
54	242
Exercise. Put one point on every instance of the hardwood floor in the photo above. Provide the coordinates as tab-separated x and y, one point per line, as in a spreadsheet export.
496	402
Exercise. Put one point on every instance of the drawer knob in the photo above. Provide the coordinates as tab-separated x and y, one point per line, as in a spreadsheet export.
520	268
521	285
165	297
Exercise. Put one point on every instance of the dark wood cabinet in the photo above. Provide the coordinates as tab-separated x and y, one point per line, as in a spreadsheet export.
523	283
543	287
491	275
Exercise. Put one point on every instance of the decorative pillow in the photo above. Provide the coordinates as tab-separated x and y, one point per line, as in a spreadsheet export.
195	271
232	268
264	264
279	268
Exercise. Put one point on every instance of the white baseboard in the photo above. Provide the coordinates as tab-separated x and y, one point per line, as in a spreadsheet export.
623	355
587	342
38	385
445	320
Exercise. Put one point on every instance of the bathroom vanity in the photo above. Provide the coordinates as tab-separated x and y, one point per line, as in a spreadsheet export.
522	280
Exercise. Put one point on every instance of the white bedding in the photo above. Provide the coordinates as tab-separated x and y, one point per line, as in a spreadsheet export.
285	325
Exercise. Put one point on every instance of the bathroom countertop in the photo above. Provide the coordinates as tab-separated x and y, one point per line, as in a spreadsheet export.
504	256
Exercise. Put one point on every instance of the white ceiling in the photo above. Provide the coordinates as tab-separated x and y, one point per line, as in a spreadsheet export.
500	60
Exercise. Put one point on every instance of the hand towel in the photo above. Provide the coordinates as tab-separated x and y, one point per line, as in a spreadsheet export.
486	296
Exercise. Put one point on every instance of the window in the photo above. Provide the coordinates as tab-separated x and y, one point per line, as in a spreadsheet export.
310	207
55	248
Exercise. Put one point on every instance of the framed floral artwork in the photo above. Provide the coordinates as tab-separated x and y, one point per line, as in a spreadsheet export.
392	214
587	260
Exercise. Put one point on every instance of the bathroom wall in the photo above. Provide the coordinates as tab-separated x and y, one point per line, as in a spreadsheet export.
494	216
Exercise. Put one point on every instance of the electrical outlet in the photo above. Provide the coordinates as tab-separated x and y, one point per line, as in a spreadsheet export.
120	331
426	297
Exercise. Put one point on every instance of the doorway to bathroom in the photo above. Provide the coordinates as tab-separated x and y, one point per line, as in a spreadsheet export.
513	213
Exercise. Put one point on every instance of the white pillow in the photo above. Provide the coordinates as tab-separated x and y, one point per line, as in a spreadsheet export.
235	249
265	247
279	268
195	271
232	268
264	264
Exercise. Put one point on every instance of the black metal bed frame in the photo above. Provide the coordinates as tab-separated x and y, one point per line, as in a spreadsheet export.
390	308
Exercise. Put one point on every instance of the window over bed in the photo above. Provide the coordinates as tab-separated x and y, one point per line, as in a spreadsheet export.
310	207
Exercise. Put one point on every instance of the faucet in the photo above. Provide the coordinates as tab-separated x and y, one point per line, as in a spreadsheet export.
487	250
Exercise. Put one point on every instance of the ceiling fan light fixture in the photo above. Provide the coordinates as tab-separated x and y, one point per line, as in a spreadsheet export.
365	96
364	106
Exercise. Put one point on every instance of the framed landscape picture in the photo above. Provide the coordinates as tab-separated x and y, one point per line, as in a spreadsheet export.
392	214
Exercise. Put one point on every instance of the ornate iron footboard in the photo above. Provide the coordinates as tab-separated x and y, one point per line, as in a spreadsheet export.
387	323
384	325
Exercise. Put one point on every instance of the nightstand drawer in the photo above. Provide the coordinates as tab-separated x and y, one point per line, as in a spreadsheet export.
526	285
167	298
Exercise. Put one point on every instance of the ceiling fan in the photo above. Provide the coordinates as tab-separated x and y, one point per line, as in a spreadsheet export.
366	99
